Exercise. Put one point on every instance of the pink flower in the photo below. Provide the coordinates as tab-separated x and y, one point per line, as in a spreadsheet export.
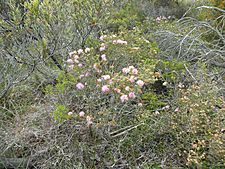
102	37
89	121
102	48
124	98
140	83
80	86
105	77
105	89
71	67
114	41
70	113
80	51
127	88
96	67
135	71
87	74
132	95
87	50
76	61
103	57
81	114
75	57
80	65
70	61
132	79
117	90
125	70
72	53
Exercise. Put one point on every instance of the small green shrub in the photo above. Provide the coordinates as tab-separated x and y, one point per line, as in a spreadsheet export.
60	113
125	18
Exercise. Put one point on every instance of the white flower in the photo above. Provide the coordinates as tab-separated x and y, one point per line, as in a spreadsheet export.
105	77
127	88
75	57
119	41
103	57
102	37
89	121
99	80
87	50
102	48
81	76
76	61
165	83
131	67
167	107
80	51
80	65
180	85
70	113
140	104
157	112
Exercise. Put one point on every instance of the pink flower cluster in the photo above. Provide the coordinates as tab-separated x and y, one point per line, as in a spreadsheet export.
74	58
122	84
102	38
101	49
89	120
125	85
130	69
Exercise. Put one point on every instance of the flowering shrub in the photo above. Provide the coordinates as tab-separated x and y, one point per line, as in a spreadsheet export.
102	78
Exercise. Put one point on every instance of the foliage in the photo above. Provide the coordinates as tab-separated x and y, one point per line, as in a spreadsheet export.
125	18
37	35
198	120
60	113
218	3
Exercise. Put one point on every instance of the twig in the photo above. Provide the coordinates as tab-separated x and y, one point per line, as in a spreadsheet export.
124	130
190	73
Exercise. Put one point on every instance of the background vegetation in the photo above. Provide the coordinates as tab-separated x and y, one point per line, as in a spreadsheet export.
112	84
